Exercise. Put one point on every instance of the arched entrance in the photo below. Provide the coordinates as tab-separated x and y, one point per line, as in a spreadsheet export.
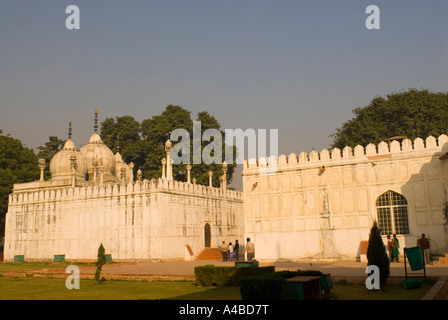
207	235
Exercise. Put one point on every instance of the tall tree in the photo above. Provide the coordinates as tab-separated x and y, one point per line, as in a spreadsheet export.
156	131
100	262
412	114
144	143
123	134
201	172
377	255
17	164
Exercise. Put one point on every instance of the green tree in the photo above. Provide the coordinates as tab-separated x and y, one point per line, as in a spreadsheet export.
47	151
377	255
201	172
123	134
144	143
156	131
412	114
101	261
17	164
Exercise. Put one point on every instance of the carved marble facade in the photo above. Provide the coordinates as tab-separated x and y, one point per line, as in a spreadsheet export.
322	205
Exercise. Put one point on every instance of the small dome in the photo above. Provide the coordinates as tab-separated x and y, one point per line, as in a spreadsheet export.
60	164
119	164
69	145
95	138
95	149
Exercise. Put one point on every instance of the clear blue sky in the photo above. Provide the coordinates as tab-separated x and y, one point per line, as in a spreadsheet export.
297	66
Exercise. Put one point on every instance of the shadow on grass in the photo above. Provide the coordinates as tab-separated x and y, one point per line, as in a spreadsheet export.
215	293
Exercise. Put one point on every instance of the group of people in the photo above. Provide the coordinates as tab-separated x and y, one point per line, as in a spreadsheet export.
393	246
230	251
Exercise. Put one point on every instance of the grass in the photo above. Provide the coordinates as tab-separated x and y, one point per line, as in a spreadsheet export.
346	291
29	288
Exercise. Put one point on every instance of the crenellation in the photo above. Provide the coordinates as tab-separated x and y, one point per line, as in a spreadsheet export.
394	148
419	144
314	156
335	193
336	154
347	152
325	155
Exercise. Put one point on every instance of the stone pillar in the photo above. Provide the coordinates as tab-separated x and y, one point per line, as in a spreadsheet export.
41	167
131	166
224	176
169	168
139	175
123	175
73	168
188	173
163	168
210	181
95	171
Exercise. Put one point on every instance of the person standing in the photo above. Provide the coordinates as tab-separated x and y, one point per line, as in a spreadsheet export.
236	249
423	243
230	251
390	247
250	249
395	249
224	249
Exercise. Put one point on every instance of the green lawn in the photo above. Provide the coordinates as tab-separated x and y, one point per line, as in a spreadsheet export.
29	288
345	291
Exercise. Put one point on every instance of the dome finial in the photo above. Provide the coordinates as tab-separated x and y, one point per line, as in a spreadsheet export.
70	129
95	126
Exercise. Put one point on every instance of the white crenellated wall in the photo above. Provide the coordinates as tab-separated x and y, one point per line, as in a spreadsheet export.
148	220
321	205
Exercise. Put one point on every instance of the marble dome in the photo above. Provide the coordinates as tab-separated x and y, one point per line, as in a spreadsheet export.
60	164
95	149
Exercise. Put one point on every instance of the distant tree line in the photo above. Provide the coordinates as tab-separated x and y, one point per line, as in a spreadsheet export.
414	113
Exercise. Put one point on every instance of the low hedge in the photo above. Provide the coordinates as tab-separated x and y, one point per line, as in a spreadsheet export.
265	287
271	286
209	275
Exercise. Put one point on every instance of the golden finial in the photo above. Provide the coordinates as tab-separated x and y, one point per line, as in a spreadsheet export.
95	126
70	129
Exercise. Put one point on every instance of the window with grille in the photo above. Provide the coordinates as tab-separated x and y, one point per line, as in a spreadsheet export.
392	213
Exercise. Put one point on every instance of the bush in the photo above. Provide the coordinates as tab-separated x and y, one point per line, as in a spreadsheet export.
209	275
266	287
271	286
377	254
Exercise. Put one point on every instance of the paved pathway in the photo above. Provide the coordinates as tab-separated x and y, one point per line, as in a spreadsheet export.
340	269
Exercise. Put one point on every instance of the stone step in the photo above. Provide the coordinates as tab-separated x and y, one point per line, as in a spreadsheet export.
210	254
442	260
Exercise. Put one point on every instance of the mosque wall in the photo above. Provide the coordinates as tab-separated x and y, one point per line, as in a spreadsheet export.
322	205
141	221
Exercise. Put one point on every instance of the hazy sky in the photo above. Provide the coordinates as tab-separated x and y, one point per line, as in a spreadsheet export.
297	66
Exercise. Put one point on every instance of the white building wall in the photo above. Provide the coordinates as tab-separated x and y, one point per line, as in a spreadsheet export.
151	221
322	205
